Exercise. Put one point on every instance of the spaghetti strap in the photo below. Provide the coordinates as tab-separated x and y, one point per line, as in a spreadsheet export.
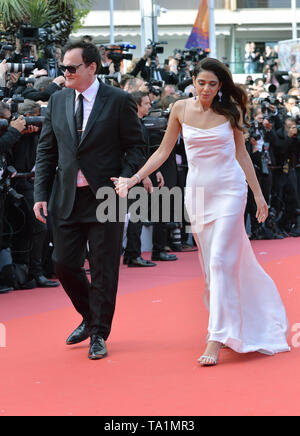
184	111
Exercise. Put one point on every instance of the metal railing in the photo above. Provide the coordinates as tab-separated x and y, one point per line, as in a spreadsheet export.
123	5
259	4
243	67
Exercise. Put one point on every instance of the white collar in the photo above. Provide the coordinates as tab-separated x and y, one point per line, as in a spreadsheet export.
91	92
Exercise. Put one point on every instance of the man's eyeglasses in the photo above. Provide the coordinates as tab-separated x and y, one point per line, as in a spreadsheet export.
71	68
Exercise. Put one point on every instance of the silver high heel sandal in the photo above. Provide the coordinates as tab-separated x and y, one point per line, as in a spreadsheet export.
210	360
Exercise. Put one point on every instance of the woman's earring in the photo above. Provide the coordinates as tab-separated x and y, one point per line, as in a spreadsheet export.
220	93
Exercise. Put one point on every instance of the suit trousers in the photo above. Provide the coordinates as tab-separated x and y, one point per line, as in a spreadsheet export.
94	300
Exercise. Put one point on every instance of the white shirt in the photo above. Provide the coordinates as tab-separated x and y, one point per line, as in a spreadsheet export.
89	96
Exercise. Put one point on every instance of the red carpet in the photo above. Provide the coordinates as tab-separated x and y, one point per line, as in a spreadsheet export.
158	333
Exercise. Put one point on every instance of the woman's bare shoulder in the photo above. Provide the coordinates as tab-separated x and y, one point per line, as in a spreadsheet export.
179	105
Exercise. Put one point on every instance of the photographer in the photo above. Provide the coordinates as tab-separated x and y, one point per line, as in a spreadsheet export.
107	66
29	236
169	172
285	190
8	139
10	136
43	93
132	254
10	77
156	73
260	136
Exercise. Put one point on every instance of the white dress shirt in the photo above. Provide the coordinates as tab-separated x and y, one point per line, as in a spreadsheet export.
89	96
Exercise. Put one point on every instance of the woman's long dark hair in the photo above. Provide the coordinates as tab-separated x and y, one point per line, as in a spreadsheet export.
232	95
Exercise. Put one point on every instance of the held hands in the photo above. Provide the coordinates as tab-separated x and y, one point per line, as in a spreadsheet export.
262	208
123	184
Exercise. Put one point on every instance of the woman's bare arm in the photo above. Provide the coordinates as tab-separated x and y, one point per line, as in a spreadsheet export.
245	162
158	157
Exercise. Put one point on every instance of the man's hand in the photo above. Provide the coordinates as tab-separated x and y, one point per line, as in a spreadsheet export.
267	124
40	211
30	129
3	67
19	123
148	52
60	80
144	87
38	73
14	77
160	179
3	71
148	185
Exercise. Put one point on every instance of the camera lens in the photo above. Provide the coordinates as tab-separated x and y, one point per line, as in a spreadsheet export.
20	68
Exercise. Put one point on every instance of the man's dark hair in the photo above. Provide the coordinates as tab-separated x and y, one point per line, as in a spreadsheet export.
138	96
90	52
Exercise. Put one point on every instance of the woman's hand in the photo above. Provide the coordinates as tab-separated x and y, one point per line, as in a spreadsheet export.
262	208
123	184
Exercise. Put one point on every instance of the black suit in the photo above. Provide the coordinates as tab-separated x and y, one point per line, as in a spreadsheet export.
111	145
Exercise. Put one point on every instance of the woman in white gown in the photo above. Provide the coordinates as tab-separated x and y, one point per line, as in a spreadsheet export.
245	309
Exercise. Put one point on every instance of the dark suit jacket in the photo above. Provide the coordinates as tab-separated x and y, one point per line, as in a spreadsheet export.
111	145
35	95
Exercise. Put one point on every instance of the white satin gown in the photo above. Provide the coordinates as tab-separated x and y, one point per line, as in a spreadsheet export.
245	309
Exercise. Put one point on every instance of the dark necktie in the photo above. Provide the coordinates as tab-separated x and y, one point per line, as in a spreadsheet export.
79	117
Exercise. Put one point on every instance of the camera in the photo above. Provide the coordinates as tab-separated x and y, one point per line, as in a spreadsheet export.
4	48
157	120
256	130
156	49
152	86
8	172
46	37
20	68
30	121
105	78
28	33
117	55
34	121
191	56
24	80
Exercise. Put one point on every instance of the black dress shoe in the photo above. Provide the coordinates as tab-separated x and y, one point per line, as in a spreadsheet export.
4	289
97	348
164	256
139	261
80	334
43	282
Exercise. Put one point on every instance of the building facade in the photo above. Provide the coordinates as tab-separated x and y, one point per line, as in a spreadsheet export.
237	22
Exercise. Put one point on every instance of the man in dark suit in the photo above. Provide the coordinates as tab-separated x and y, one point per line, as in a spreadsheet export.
72	166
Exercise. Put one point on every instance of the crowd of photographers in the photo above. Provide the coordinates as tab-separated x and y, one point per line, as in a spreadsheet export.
272	140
